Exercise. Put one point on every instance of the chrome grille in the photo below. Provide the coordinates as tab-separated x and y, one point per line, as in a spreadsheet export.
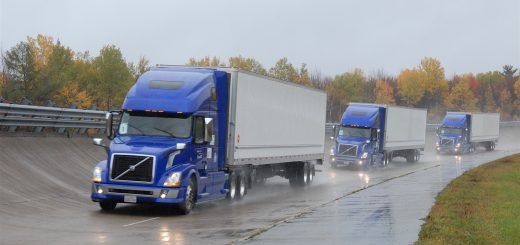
133	168
446	142
348	150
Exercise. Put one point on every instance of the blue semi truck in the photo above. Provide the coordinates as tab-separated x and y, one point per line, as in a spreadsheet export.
371	134
463	132
186	135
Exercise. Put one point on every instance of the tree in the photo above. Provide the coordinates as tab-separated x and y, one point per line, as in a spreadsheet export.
206	62
384	93
506	104
113	77
461	98
411	86
21	70
142	66
436	86
42	47
70	93
343	89
58	69
283	70
489	104
247	64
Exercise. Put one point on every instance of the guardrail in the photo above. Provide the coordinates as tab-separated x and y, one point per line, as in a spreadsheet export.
13	116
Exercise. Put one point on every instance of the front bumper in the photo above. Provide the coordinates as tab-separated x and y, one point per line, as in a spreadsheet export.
143	194
448	150
347	161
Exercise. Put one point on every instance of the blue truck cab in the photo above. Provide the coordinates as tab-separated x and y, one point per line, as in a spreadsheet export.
169	144
371	134
358	137
463	132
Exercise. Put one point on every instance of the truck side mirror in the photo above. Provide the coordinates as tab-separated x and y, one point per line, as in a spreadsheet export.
99	142
208	130
199	130
334	133
110	124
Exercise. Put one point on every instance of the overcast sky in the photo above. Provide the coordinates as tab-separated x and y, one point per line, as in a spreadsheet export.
331	36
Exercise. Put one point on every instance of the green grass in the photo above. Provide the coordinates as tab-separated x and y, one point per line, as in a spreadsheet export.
480	207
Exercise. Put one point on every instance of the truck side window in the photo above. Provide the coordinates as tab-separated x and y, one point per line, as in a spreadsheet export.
198	133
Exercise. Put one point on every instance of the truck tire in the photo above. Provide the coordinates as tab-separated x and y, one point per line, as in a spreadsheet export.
312	172
241	186
386	159
189	199
107	205
232	186
297	177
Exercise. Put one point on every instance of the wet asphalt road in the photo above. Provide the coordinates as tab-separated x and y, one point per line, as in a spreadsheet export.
44	197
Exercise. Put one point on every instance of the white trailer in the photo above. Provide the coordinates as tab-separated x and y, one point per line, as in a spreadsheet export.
274	127
405	128
485	127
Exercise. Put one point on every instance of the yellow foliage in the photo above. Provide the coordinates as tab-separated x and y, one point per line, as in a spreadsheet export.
71	93
206	62
461	98
384	93
41	47
411	86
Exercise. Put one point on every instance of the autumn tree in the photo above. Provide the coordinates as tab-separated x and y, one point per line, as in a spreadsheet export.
19	64
70	93
142	66
343	89
206	62
42	47
113	77
461	98
384	93
284	70
411	86
436	86
247	64
58	69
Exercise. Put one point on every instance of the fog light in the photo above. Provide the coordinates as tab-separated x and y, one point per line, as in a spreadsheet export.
163	194
333	159
99	190
360	162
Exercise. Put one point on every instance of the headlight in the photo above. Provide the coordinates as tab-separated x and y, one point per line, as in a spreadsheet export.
96	175
173	180
458	145
436	143
364	156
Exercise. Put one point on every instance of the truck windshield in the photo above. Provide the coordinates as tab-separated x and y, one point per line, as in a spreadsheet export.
155	124
457	131
345	131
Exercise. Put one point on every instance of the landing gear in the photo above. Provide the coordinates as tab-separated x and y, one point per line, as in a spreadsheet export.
387	158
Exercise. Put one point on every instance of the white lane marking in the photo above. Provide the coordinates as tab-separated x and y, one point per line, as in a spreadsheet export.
139	222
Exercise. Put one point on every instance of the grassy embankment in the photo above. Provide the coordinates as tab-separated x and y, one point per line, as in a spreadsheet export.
480	207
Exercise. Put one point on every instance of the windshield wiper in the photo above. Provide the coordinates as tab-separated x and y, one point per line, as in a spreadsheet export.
164	131
138	129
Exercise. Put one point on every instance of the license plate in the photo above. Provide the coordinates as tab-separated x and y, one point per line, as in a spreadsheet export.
130	199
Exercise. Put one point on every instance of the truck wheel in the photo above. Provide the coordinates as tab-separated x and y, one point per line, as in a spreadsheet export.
232	186
189	199
241	187
417	156
386	159
108	205
298	175
492	146
309	172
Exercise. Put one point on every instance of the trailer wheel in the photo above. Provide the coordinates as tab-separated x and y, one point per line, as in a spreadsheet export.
309	172
417	156
241	186
298	175
107	205
189	199
492	146
232	186
386	159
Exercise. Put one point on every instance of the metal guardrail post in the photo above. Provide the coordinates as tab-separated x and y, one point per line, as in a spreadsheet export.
50	103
